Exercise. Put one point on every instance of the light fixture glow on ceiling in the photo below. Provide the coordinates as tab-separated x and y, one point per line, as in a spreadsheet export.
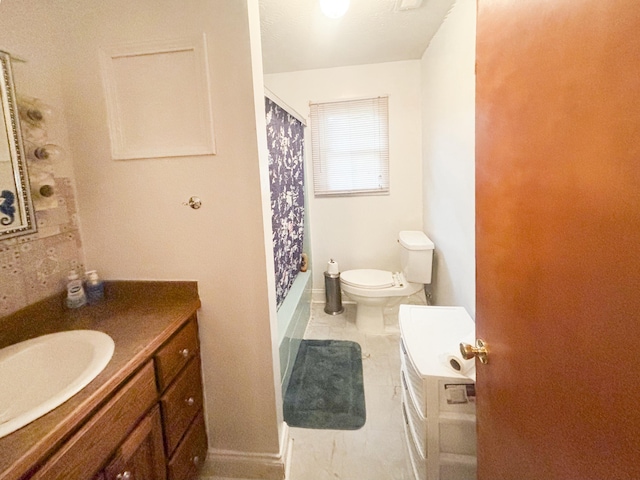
334	8
407	4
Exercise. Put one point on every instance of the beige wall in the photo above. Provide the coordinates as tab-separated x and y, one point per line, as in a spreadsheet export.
33	267
361	232
448	140
133	222
135	225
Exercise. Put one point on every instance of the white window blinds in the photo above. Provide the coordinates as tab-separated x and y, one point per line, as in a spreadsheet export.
350	147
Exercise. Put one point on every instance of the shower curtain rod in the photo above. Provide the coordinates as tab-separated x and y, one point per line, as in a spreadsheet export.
282	104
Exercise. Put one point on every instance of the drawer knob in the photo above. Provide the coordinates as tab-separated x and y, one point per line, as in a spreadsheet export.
184	352
196	460
190	401
124	476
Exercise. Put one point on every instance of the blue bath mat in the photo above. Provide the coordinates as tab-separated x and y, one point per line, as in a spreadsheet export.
326	389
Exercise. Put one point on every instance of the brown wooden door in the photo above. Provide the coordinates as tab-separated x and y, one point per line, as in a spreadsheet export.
558	239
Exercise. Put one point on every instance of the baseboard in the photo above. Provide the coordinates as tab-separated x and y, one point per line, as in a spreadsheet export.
318	296
234	465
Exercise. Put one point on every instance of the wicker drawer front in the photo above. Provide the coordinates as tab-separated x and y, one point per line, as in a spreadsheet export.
418	462
414	381
175	354
417	423
180	403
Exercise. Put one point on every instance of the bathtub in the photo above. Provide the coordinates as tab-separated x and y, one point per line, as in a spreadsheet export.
293	317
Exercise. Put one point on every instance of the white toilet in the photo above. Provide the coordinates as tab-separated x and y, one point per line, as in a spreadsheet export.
374	290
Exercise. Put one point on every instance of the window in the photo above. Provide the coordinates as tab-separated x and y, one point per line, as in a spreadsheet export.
350	147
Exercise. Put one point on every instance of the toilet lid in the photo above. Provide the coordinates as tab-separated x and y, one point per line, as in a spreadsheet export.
368	278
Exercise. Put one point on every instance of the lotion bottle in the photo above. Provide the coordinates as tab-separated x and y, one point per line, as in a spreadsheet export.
75	293
94	287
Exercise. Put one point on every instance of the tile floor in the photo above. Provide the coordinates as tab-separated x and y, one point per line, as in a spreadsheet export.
377	451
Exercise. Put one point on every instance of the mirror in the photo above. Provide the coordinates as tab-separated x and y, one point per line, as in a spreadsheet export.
16	208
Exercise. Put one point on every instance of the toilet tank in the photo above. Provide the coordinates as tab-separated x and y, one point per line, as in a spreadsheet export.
416	256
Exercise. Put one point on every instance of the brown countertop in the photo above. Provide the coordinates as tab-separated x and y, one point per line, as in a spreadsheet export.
139	316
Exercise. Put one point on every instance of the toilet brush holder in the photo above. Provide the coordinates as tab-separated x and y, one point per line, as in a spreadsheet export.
333	294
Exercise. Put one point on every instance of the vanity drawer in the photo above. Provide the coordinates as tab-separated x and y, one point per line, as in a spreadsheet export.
191	453
180	403
82	456
175	354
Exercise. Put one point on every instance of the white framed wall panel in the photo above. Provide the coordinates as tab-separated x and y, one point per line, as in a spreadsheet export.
158	101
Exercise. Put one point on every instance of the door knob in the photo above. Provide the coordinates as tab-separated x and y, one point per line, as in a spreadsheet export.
481	351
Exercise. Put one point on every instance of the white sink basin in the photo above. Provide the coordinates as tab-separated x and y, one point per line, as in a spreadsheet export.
40	374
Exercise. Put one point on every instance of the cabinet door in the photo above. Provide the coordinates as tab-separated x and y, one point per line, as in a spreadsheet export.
141	456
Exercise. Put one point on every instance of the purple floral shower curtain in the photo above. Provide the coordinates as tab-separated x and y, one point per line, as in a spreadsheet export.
285	138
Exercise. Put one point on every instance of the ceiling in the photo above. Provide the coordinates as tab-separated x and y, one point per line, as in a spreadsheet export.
297	36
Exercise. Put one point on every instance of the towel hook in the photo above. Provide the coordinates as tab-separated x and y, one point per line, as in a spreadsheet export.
194	202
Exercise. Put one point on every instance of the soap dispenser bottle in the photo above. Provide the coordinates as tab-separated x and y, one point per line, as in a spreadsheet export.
75	293
94	287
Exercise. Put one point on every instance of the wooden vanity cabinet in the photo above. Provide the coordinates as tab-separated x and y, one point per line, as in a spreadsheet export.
88	450
176	353
141	456
190	454
180	383
180	404
152	428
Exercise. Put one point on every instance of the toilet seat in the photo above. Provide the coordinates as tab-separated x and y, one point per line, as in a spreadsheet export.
373	291
368	278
